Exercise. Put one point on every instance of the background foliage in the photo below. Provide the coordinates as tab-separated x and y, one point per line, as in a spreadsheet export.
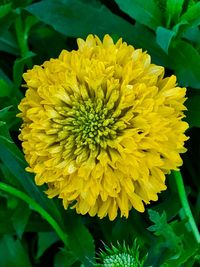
36	231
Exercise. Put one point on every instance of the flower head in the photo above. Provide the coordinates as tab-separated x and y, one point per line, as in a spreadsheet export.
121	256
102	127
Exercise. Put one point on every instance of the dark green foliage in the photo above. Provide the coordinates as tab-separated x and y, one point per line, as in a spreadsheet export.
77	18
36	231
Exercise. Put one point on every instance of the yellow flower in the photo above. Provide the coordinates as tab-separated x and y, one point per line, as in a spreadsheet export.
102	127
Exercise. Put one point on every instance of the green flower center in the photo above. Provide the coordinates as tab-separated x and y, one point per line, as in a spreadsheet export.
93	124
120	260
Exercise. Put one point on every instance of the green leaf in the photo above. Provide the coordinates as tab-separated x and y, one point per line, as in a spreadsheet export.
38	224
8	115
5	88
193	112
4	134
21	3
193	35
180	28
18	68
185	60
4	112
64	259
37	207
162	228
173	11
22	28
45	240
12	157
5	214
12	253
44	36
78	19
8	176
145	12
189	254
12	202
81	241
29	23
147	41
123	229
7	18
5	77
8	43
192	15
5	9
20	218
164	37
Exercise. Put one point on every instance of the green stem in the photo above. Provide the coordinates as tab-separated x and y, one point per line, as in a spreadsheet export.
17	193
185	204
22	39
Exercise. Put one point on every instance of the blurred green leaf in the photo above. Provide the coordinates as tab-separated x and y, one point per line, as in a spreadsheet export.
12	157
8	176
6	122
81	241
145	12
12	202
64	259
168	202
4	134
8	43
5	88
44	36
168	244
78	19
147	41
5	9
5	77
5	214
180	28
7	17
37	224
4	112
192	15
37	207
20	3
190	252
29	23
164	37
193	112
18	68
120	230
185	60
162	228
6	115
124	229
193	35
22	28
20	218
12	253
45	240
173	11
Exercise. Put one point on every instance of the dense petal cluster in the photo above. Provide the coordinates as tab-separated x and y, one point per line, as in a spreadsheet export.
101	127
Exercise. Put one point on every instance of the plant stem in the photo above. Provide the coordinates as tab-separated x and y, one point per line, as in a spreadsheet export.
21	36
17	193
22	39
185	204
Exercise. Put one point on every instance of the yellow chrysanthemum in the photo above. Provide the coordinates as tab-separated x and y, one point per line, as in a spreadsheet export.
102	127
